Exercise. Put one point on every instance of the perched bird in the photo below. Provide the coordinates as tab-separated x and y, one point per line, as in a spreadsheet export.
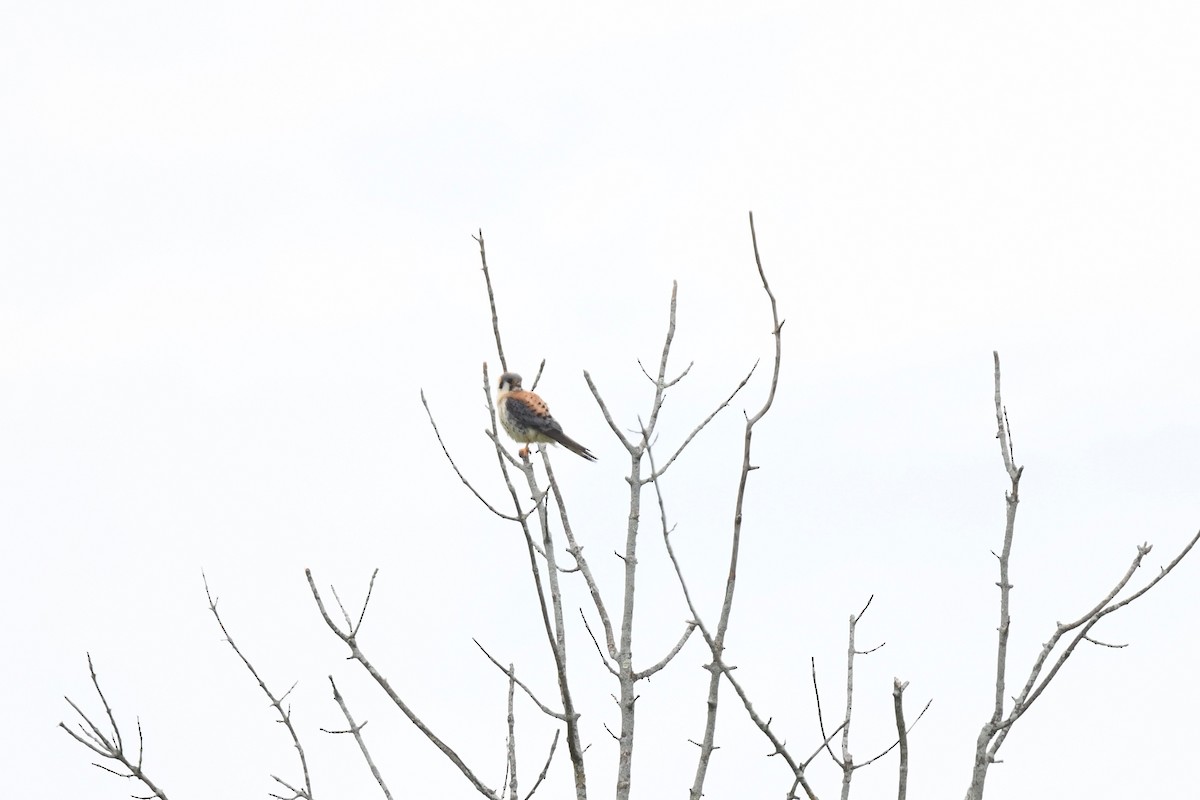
526	418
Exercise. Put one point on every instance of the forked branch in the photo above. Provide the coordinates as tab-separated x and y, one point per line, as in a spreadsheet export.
285	714
110	746
355	729
716	641
997	728
350	638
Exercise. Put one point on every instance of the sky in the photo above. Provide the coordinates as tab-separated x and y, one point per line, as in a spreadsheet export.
237	246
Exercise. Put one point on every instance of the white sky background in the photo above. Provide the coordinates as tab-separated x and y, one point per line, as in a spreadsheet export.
236	242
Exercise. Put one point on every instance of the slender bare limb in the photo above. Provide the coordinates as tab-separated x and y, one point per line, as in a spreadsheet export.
463	478
285	714
555	631
546	769
1011	499
607	414
111	746
896	743
717	641
902	737
718	665
512	676
576	552
847	761
997	728
538	377
669	383
701	426
558	639
487	277
296	794
646	673
626	677
603	660
351	641
356	730
661	384
511	767
1033	687
820	714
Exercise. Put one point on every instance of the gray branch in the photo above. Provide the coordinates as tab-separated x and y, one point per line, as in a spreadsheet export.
356	730
285	715
351	641
111	746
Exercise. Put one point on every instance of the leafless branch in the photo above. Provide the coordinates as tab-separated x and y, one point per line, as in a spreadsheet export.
1105	644
576	552
1011	499
557	638
512	675
612	670
607	414
546	769
821	715
669	383
702	425
511	765
487	277
463	478
717	642
296	794
538	377
660	385
110	746
646	673
901	737
997	728
555	630
285	714
356	729
351	641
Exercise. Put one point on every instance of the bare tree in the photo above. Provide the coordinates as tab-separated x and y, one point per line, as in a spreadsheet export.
537	505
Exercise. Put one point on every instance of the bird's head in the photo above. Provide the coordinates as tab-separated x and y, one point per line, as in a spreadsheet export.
510	381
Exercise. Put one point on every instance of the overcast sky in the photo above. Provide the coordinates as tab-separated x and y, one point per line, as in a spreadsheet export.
236	244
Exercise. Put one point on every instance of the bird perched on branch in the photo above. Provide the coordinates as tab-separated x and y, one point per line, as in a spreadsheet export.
526	418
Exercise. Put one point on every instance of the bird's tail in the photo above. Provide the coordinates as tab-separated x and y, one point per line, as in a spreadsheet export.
572	445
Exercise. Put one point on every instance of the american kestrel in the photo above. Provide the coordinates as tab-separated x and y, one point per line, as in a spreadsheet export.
526	418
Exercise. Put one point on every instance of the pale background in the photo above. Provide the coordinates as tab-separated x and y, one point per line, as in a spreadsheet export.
236	243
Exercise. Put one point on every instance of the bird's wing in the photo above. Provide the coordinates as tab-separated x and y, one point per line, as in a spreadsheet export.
528	410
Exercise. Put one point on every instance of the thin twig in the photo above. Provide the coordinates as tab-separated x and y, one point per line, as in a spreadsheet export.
111	746
285	715
607	414
701	426
463	478
546	769
646	673
356	729
356	654
487	277
587	626
717	641
996	729
576	552
512	676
